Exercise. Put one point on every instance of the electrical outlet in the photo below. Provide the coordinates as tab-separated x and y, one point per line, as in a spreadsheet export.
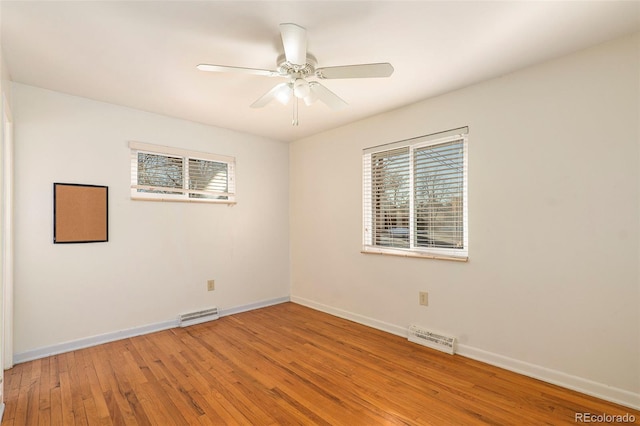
424	298
211	285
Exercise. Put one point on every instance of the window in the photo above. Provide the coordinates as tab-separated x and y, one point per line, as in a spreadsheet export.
415	197
173	174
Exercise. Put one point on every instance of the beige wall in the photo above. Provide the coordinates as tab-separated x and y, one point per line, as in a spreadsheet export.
552	285
159	255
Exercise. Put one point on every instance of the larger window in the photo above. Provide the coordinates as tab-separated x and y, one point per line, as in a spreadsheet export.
173	174
415	197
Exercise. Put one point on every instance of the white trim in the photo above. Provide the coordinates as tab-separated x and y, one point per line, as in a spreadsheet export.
161	149
7	237
410	253
360	319
86	342
1	411
422	140
251	306
579	384
141	196
181	190
180	194
413	249
586	386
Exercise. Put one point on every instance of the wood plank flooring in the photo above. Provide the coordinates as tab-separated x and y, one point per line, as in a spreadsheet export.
285	364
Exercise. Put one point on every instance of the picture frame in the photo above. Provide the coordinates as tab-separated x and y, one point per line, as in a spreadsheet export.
80	213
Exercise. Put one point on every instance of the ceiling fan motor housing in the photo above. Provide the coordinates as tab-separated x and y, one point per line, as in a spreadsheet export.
286	68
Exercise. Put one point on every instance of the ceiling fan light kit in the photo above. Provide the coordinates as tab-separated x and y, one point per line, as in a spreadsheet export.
297	66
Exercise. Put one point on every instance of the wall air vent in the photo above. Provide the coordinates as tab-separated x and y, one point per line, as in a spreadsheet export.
192	318
432	340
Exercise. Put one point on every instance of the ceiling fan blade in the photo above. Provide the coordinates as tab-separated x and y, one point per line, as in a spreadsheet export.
356	71
327	96
281	92
237	70
294	40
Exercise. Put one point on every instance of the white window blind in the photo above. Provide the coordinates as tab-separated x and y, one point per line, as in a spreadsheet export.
415	197
391	197
172	174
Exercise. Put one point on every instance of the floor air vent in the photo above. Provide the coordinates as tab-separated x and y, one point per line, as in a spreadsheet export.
433	340
198	317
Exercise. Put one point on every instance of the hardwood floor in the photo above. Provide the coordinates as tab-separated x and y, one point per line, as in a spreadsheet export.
284	364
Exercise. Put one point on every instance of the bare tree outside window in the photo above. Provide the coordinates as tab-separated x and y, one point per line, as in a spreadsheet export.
438	186
159	171
415	196
391	197
164	173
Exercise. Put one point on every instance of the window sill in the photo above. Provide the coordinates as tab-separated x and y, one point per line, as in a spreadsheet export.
184	200
401	253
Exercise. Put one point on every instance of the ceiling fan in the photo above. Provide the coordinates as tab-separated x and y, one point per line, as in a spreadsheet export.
297	66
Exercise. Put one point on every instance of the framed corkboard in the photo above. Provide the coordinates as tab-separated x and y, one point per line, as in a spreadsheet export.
80	213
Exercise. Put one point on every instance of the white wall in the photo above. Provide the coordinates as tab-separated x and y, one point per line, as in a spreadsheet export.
552	285
5	204
159	255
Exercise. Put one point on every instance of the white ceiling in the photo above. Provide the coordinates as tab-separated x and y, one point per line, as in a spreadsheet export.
143	54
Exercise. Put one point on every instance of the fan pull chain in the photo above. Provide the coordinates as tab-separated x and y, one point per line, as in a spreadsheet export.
294	122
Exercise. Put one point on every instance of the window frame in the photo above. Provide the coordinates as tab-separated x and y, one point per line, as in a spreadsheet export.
369	245
182	194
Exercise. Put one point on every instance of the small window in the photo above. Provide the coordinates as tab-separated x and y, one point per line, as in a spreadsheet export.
172	174
415	197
